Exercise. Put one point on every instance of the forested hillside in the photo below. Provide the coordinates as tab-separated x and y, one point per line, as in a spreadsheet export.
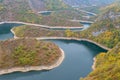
107	31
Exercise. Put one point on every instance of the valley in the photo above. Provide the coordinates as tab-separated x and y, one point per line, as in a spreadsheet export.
81	37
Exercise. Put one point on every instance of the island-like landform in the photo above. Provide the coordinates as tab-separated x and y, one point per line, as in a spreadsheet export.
28	54
105	31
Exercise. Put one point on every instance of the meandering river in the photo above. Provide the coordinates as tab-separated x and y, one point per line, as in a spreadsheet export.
5	28
77	63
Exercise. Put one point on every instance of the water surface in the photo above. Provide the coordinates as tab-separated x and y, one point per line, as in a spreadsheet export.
5	32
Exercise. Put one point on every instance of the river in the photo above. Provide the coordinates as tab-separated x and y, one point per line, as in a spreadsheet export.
5	28
77	63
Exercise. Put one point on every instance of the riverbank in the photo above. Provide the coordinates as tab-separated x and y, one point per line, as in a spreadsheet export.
43	26
81	39
94	59
34	68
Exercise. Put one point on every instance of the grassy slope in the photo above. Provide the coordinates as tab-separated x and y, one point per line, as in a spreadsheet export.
20	53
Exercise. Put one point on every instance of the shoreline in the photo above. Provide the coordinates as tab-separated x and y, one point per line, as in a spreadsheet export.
71	38
81	39
35	68
43	26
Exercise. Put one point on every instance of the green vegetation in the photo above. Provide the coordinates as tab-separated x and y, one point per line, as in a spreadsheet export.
20	53
107	66
24	56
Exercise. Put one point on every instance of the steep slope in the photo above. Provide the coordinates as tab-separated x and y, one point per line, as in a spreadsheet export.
107	66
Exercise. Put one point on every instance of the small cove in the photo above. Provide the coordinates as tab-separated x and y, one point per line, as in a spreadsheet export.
5	32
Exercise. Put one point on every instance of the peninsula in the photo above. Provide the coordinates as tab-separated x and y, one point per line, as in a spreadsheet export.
28	54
